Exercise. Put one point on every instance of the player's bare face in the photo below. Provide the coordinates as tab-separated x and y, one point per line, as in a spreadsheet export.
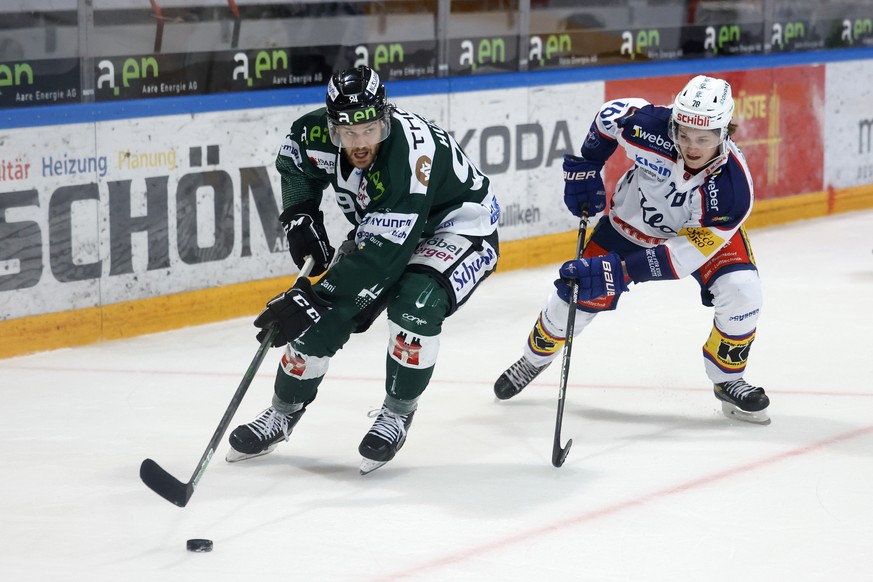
361	142
698	146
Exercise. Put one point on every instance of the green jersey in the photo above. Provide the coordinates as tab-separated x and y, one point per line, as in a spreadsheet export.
420	184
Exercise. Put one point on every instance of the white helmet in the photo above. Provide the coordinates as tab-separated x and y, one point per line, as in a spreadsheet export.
704	103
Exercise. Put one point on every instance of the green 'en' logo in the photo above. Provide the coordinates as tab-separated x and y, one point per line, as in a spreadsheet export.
382	55
131	69
265	62
854	30
783	35
644	40
726	34
8	78
555	44
359	116
489	50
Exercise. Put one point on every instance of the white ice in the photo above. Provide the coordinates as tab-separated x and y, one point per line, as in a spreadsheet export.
658	485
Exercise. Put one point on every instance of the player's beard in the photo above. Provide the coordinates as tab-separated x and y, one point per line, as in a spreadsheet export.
362	157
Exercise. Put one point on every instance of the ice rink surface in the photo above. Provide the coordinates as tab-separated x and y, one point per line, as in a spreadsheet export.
658	485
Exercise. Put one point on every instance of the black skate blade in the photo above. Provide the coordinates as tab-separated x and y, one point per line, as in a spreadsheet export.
164	484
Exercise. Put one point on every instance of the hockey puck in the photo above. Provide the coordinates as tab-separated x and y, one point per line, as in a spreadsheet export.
199	545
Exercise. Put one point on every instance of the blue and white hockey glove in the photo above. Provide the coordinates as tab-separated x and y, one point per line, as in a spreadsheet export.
596	277
294	311
583	186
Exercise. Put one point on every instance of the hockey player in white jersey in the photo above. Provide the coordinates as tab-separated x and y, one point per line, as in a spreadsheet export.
678	211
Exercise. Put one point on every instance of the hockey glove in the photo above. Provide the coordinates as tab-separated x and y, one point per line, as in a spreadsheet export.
596	277
293	312
583	186
304	228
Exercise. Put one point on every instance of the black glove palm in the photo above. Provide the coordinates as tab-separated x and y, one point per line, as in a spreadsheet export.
304	228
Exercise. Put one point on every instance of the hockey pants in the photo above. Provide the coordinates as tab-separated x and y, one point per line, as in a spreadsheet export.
730	285
417	306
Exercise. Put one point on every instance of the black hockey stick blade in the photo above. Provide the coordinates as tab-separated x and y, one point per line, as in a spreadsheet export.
170	488
164	484
559	454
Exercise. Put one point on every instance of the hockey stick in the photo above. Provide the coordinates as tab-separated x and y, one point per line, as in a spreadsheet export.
559	454
170	488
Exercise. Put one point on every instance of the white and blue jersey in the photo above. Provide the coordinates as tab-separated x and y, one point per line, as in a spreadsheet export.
681	219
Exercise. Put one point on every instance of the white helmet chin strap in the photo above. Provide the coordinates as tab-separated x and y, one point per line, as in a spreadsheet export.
712	165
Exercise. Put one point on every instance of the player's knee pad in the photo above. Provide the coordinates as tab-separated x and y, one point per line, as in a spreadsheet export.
416	313
299	376
737	288
411	349
737	299
299	366
410	362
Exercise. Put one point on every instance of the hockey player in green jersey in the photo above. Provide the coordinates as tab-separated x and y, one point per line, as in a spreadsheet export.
424	237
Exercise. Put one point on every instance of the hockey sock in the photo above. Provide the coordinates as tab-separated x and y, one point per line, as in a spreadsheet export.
727	354
399	406
405	383
291	390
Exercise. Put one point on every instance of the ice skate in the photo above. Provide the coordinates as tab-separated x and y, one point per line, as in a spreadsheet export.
742	401
515	378
261	436
385	438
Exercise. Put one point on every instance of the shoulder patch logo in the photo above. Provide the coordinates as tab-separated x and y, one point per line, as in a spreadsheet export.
422	169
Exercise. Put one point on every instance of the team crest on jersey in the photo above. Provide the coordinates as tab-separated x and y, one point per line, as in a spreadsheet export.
422	169
376	179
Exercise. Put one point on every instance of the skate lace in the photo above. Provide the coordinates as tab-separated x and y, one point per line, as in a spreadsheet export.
739	388
522	372
389	425
270	423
